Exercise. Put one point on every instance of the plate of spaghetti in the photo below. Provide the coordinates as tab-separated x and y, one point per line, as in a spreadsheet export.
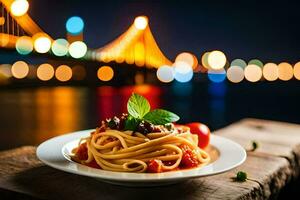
143	147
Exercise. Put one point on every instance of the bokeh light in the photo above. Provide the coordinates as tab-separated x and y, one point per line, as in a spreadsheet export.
188	58
63	73
297	70
77	49
5	70
204	60
79	72
141	22
19	7
216	60
60	47
45	72
165	74
253	73
183	72
270	71
42	44
238	62
216	76
74	25
2	21
19	69
235	74
24	45
285	71
105	73
256	62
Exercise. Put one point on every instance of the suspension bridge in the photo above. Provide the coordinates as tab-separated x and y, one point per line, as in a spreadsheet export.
136	46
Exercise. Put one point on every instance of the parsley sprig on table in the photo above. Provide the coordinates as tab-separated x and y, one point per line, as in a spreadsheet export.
139	110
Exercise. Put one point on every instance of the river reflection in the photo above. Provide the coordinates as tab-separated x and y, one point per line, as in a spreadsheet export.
29	116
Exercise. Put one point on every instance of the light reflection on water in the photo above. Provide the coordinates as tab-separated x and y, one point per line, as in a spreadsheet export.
29	116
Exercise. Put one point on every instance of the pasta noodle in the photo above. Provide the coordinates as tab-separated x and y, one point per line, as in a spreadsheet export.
128	151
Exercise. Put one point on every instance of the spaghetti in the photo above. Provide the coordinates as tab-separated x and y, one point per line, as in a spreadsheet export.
131	151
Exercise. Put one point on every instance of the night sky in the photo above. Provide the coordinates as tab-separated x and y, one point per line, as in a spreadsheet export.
265	30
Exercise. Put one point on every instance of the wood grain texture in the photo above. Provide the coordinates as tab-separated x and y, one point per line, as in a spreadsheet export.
269	168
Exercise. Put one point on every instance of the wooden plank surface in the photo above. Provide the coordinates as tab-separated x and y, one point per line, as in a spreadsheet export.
273	165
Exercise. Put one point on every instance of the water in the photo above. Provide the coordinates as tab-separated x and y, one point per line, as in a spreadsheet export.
29	116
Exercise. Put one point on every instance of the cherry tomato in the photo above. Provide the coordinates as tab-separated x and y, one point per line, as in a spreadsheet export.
202	131
154	166
189	159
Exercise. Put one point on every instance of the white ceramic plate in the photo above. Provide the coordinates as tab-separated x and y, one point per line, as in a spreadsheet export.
55	153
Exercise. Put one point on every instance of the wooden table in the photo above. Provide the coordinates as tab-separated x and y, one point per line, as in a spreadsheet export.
275	163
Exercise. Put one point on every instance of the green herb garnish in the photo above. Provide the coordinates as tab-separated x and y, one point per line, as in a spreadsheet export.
254	145
138	109
241	176
138	106
131	123
161	117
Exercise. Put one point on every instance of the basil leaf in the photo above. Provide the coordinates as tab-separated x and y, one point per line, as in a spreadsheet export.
161	117
138	106
131	123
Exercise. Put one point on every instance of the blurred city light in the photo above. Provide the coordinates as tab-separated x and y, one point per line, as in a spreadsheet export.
235	74
2	21
105	73
256	62
165	74
139	54
270	71
74	25
45	72
285	71
24	45
19	7
239	62
253	73
5	70
188	58
216	76
42	44
141	22
204	60
77	49
19	69
297	70
60	47
216	60
183	72
63	73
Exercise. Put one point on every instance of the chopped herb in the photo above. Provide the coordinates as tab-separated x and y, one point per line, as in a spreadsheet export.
241	176
254	145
